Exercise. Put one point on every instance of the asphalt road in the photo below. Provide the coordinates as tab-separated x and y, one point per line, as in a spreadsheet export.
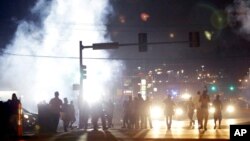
179	131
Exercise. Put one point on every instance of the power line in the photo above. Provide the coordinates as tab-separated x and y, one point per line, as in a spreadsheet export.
39	56
71	57
113	58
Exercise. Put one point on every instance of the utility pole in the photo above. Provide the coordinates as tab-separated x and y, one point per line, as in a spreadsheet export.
80	67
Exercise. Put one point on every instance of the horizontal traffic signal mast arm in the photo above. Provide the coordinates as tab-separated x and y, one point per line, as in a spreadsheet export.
153	43
130	44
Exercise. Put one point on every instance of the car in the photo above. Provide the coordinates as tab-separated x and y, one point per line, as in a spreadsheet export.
30	121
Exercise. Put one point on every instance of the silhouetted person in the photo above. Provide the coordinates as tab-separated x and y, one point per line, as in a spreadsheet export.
128	114
98	113
204	99
125	123
14	104
109	109
169	110
190	112
72	114
141	111
136	111
218	111
148	104
44	117
197	104
55	106
65	114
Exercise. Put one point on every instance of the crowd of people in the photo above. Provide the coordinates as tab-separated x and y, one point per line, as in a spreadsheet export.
136	111
103	111
50	114
201	105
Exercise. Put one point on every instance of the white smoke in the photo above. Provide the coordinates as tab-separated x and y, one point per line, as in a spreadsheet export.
63	24
240	13
241	16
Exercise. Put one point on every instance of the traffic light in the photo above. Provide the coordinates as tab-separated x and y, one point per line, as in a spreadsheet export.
83	71
231	88
213	88
194	39
143	42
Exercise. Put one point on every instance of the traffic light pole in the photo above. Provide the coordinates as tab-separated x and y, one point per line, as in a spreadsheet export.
81	66
80	69
194	41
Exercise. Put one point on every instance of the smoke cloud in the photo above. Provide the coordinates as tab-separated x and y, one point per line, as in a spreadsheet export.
239	15
61	25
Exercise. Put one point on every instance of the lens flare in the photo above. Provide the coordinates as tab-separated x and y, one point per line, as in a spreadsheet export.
144	16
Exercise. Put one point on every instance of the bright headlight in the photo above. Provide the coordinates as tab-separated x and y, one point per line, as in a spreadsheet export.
156	112
211	110
179	111
195	110
230	108
26	116
185	96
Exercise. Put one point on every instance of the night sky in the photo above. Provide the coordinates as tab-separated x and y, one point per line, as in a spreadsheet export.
11	13
228	49
159	19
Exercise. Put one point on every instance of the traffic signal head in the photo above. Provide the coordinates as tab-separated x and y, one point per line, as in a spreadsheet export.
142	42
231	88
83	71
194	39
213	88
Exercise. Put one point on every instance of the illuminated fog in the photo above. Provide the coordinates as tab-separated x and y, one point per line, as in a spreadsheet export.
44	55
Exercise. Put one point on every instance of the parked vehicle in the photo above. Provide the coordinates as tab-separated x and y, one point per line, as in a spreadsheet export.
30	121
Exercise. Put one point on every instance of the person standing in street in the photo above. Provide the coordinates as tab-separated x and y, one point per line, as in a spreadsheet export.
148	119
169	110
218	111
204	99
109	110
72	114
96	114
14	105
55	106
190	112
141	111
197	104
65	114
